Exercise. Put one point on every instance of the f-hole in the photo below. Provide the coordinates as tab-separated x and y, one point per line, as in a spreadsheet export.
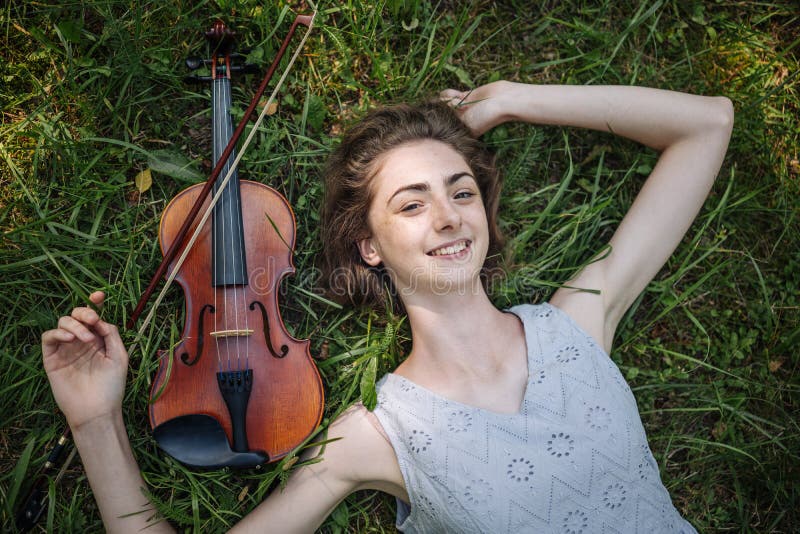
185	358
265	321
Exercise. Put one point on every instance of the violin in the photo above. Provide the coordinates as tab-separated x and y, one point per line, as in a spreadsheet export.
238	390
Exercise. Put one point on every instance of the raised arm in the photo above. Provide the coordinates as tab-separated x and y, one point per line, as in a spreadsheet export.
692	133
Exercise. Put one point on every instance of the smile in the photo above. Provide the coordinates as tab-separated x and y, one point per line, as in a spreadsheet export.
448	250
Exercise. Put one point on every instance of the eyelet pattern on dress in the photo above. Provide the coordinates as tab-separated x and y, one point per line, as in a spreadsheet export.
520	469
538	376
567	354
426	506
560	444
614	496
478	492
459	421
419	441
598	418
406	386
644	470
575	522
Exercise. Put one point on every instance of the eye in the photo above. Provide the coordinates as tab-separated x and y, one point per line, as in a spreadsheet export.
411	206
464	194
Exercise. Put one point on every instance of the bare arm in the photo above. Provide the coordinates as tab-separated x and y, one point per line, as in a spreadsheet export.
692	133
360	459
86	364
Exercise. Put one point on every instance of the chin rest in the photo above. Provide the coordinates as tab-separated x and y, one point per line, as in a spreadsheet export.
200	441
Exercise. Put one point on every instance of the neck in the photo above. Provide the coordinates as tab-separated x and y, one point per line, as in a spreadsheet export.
457	336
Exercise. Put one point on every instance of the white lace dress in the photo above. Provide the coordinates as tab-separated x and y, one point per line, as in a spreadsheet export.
574	460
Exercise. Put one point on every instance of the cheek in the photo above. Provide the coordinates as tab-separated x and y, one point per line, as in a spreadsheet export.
384	233
484	223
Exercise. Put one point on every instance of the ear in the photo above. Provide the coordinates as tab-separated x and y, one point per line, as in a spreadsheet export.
368	252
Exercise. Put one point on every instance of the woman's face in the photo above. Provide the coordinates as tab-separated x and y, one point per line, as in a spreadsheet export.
427	221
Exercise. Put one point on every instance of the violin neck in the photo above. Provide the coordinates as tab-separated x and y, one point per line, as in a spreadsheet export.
228	262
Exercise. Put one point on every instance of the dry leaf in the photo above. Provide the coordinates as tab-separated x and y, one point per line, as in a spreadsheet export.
719	429
143	180
794	167
133	197
774	365
324	351
272	108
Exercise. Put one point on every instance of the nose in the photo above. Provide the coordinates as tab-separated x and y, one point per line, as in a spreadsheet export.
446	215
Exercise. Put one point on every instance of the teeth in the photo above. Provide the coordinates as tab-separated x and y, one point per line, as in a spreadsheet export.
453	249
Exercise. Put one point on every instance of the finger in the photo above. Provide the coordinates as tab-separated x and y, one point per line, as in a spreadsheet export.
53	338
97	298
85	315
77	328
449	94
114	346
452	97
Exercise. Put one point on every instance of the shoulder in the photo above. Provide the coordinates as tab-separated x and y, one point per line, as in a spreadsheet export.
584	302
360	453
354	456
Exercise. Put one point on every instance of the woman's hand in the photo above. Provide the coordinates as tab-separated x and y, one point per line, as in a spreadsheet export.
482	108
86	363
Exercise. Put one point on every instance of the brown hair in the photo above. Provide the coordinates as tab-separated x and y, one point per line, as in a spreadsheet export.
348	196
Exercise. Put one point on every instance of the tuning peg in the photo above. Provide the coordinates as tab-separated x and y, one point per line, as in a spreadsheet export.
193	78
194	62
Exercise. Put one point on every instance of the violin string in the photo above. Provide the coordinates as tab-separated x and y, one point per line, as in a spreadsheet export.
217	140
225	207
218	194
241	307
228	227
213	240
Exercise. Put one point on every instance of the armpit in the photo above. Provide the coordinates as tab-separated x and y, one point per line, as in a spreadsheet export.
372	418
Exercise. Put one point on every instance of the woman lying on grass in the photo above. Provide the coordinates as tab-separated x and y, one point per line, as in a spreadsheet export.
498	421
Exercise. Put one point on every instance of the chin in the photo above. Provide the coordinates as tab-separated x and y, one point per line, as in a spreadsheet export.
446	281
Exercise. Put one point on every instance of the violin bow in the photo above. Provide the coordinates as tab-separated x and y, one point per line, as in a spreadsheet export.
36	500
307	20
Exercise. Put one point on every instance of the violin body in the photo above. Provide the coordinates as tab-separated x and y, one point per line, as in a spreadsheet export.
238	390
286	401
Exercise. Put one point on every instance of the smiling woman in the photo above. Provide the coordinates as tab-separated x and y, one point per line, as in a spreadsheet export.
349	191
503	421
427	222
497	421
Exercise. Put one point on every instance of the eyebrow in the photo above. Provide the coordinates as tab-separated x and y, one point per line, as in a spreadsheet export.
450	180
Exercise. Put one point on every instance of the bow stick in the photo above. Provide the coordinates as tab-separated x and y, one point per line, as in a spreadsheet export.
307	20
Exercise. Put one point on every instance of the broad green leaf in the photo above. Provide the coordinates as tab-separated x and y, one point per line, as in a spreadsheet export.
461	74
174	164
368	395
70	30
19	472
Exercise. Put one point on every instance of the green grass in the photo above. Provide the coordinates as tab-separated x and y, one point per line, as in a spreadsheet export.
92	93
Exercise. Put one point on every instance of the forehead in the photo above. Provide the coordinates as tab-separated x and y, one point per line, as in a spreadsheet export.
422	161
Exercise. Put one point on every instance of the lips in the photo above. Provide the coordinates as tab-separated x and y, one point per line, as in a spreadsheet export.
449	249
